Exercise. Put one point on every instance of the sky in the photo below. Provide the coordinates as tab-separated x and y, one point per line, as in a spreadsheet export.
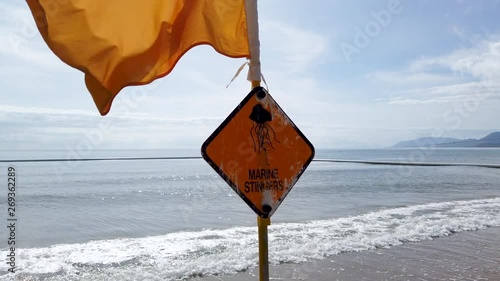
350	74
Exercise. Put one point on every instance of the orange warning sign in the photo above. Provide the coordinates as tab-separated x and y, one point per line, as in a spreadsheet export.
259	152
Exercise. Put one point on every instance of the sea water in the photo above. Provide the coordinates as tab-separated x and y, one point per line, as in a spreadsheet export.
176	219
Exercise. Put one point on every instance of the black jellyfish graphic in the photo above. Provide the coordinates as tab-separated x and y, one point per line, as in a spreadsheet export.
262	130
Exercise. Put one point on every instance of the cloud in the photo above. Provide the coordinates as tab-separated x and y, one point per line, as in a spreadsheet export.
452	78
481	62
410	78
31	127
446	100
459	31
455	93
300	48
42	111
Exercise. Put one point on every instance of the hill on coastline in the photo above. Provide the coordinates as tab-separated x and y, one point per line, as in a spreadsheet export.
491	140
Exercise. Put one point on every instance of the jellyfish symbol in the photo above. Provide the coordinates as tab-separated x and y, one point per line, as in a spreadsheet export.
261	129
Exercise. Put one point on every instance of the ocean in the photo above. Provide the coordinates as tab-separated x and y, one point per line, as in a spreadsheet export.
177	219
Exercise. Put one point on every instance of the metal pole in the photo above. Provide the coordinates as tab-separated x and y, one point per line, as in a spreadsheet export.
254	75
263	248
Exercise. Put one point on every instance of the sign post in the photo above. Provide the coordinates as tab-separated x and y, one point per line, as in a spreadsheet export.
262	225
261	154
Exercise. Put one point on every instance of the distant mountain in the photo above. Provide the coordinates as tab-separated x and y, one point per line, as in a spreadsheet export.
491	140
427	141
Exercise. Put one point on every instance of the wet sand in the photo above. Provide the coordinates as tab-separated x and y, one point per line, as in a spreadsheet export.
471	255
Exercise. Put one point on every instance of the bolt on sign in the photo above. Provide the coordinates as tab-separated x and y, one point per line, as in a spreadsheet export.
259	152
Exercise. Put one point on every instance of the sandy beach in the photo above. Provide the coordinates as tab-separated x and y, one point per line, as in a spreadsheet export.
471	255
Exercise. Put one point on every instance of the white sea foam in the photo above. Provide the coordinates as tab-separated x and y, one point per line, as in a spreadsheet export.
207	252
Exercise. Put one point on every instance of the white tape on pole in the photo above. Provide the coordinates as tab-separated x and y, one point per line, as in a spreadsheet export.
254	73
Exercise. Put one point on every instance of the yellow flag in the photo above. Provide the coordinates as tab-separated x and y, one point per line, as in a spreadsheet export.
118	43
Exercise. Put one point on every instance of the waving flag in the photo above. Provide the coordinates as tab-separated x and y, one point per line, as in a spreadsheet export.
118	43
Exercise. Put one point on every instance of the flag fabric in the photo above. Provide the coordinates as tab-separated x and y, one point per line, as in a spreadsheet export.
119	43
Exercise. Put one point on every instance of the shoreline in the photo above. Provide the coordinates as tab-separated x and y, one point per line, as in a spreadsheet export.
470	255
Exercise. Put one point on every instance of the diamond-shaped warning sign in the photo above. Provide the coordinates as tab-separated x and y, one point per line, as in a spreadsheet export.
259	152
